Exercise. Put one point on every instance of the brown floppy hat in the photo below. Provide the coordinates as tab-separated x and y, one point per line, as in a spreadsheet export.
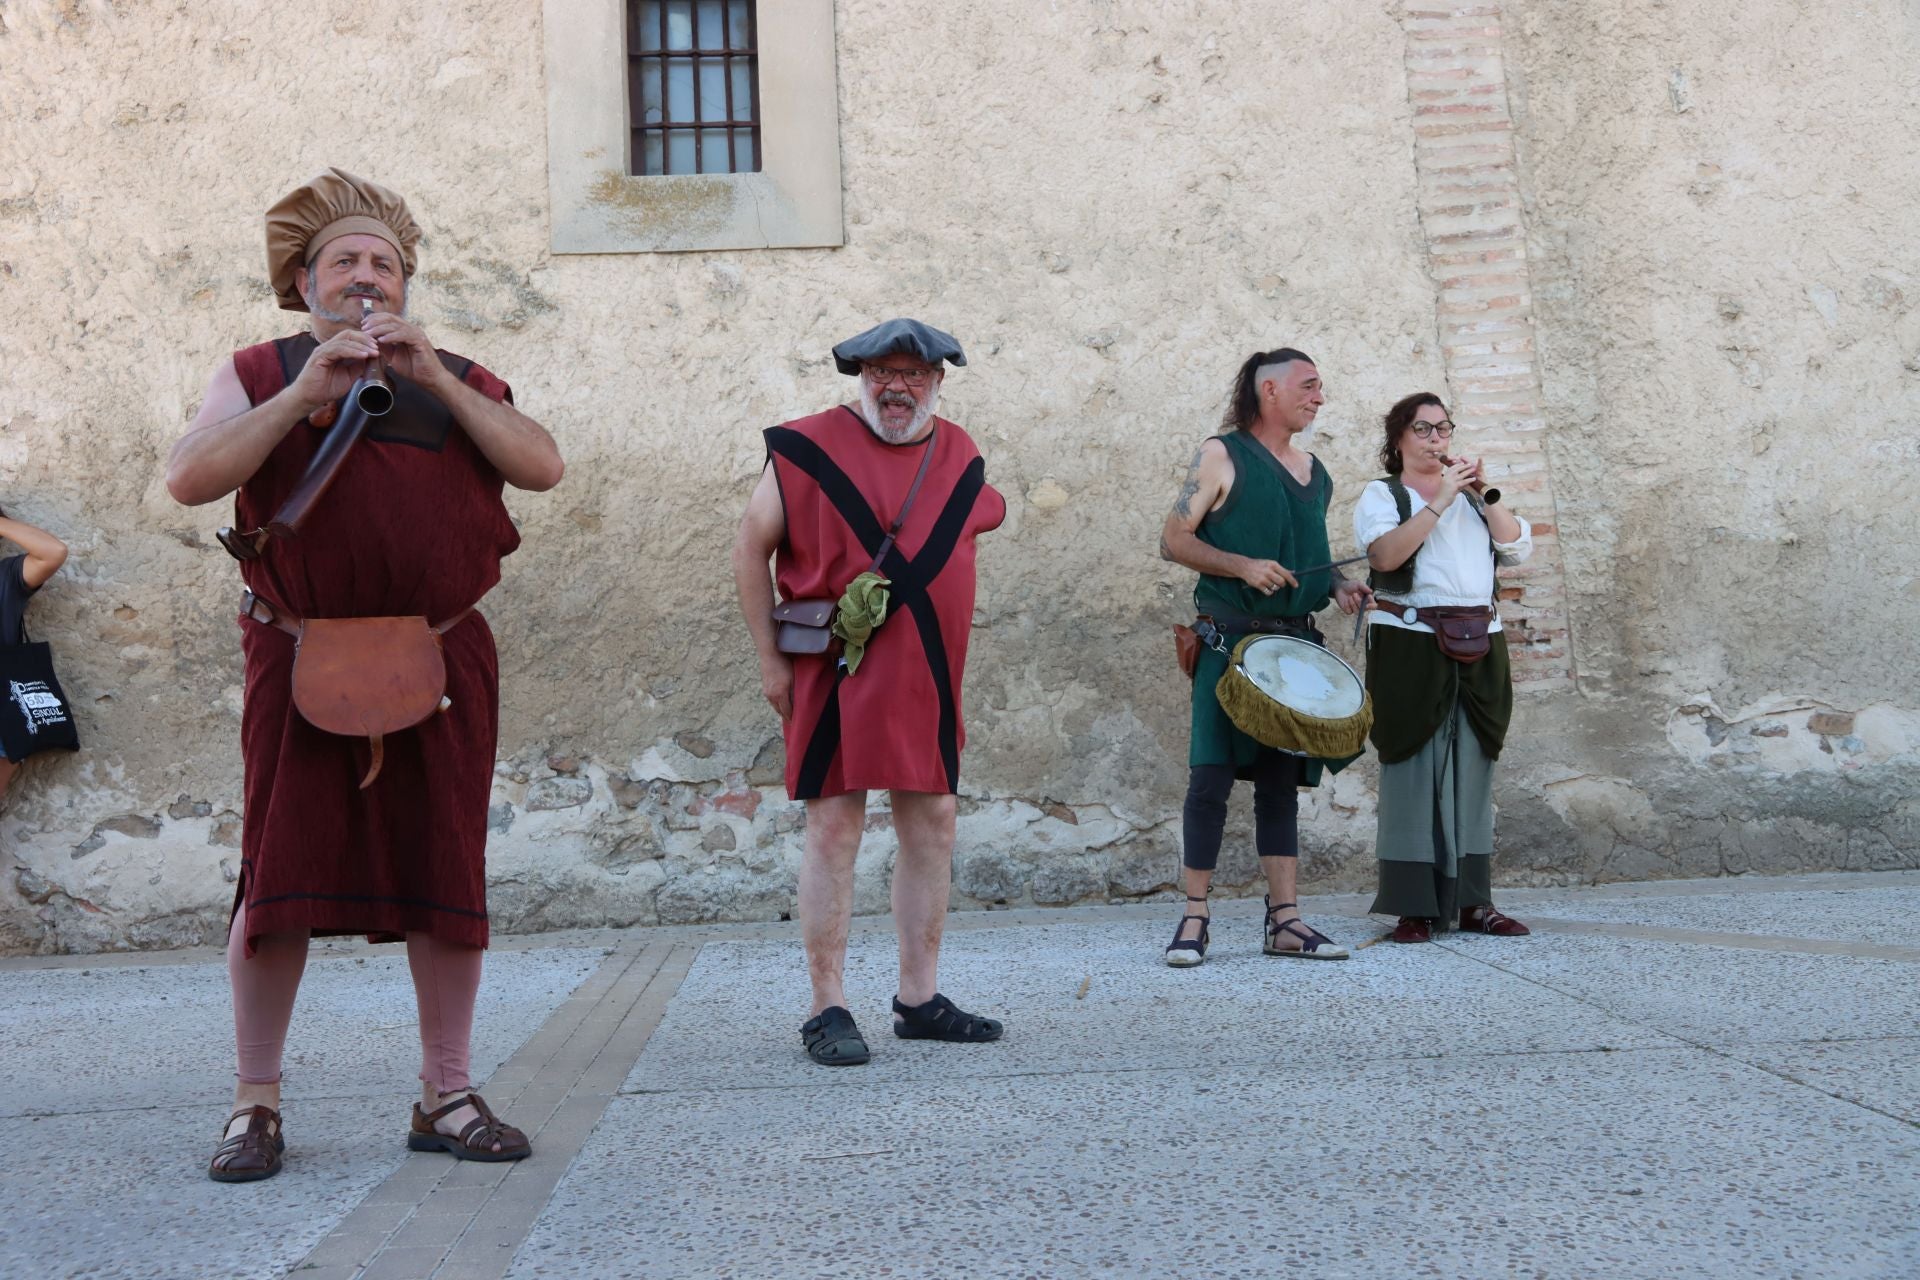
335	203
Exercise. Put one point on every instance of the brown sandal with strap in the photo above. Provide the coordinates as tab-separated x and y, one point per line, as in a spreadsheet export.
1487	920
476	1141
252	1155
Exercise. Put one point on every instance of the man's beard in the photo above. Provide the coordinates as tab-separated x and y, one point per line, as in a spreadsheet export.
923	410
320	312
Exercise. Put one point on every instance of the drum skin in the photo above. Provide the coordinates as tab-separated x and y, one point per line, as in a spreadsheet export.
1294	696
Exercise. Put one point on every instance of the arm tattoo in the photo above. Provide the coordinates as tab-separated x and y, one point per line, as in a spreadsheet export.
1182	505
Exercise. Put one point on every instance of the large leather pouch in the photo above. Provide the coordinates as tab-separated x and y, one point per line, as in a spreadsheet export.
368	677
802	626
1186	648
1461	634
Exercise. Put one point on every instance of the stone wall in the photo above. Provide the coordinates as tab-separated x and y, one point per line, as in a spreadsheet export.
1704	225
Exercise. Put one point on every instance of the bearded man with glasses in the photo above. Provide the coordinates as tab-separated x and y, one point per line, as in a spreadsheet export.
869	514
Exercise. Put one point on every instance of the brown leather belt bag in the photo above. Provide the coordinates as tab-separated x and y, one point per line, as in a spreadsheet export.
363	677
1186	648
1460	631
804	626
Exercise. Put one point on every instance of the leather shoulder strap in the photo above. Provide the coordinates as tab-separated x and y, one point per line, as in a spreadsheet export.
1402	500
926	460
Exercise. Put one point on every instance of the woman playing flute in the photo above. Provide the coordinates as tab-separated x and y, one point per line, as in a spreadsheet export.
1433	532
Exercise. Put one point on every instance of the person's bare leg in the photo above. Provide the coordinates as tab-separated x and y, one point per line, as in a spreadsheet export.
7	768
834	824
1283	876
1198	884
922	880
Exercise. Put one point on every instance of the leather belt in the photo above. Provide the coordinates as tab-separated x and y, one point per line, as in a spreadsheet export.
1429	614
257	608
1300	624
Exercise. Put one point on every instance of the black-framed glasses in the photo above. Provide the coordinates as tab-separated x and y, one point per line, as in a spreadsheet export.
879	375
1428	430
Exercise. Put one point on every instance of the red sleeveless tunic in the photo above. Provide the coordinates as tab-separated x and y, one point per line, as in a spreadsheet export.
413	524
895	725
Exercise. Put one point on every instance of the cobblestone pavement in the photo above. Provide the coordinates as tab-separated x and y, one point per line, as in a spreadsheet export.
1705	1078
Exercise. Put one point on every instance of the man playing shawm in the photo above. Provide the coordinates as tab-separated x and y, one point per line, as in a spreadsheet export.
384	836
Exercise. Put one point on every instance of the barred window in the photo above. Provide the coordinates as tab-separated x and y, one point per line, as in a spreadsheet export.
693	86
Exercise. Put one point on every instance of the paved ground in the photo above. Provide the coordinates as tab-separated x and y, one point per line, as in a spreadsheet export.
1716	1078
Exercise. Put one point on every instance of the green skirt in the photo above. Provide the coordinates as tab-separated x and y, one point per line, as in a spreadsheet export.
1434	830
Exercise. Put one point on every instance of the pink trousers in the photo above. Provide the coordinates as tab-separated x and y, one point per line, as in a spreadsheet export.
446	979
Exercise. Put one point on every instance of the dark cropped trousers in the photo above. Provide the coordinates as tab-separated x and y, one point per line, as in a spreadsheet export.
1276	809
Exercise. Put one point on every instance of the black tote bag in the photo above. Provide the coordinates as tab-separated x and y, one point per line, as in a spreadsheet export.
34	713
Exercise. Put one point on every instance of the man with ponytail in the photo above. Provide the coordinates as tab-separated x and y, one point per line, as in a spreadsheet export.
1253	503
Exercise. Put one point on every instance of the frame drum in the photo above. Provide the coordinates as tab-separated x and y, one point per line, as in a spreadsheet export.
1294	696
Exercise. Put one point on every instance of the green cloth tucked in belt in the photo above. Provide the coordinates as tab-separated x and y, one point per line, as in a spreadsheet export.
1414	688
862	609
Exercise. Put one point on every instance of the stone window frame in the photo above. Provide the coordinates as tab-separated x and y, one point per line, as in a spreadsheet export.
597	206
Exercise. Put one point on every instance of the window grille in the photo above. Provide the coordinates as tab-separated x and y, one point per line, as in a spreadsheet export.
693	86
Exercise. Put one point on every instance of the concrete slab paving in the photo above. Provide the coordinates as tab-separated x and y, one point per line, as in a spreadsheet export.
1885	916
1712	994
116	1081
1881	1074
737	1016
1663	1090
355	1027
1651	1162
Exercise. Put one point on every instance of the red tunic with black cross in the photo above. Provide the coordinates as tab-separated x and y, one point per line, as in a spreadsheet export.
896	724
412	525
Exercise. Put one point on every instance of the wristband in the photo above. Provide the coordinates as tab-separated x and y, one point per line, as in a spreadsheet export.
1434	509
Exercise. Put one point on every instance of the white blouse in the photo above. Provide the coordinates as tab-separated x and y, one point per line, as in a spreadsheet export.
1453	567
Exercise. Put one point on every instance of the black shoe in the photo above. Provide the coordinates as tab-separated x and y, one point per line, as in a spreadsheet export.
940	1019
832	1040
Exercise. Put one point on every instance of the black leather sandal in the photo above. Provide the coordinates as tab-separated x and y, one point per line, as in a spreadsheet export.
1185	953
832	1039
940	1019
1314	945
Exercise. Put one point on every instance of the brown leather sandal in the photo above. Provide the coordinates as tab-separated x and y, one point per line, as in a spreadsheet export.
1412	929
1487	920
476	1140
252	1155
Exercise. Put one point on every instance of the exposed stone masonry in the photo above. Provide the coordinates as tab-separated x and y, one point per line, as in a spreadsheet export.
1477	252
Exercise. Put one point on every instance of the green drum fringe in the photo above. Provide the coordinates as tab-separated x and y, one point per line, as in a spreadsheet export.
1271	724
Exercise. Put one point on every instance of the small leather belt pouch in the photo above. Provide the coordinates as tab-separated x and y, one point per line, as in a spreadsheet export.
803	626
1186	648
368	677
1461	632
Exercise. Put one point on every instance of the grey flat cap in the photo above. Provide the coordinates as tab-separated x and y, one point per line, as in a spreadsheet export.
897	337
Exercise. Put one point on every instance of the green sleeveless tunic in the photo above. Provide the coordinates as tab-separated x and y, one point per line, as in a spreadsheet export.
1267	515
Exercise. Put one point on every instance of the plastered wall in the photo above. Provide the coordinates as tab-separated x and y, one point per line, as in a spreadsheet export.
1111	203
